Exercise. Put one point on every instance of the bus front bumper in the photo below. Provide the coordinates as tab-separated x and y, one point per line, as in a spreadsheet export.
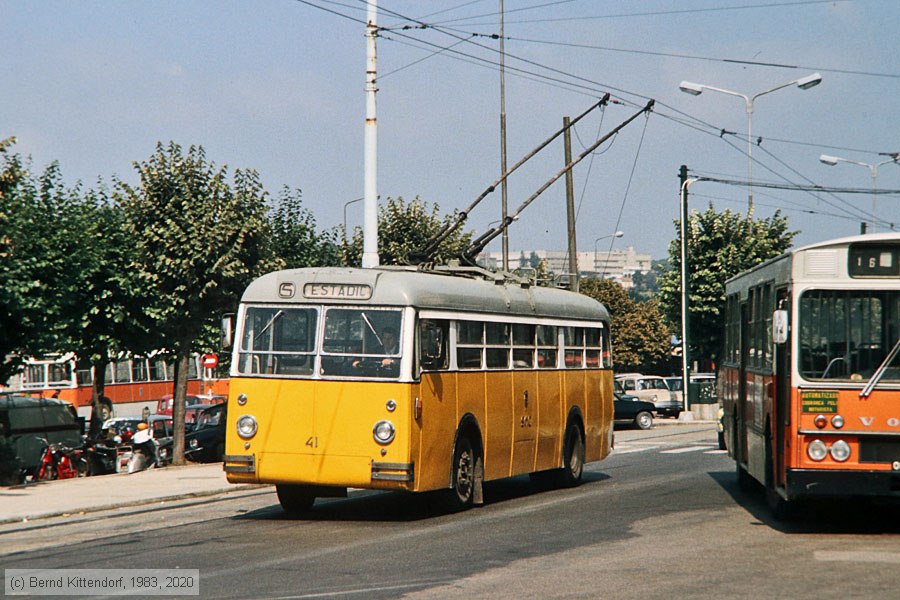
821	483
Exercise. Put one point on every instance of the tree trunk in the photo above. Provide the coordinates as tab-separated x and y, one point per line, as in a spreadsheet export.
182	361
98	389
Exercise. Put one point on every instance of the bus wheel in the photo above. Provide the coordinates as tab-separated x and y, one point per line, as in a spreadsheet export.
573	456
744	480
462	494
295	499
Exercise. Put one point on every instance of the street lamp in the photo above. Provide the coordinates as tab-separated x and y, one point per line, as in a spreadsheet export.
617	234
695	89
346	204
873	170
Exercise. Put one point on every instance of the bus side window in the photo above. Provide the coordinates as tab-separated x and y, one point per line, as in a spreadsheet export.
433	335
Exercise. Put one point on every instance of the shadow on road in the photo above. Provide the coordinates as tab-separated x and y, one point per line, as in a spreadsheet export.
380	506
851	515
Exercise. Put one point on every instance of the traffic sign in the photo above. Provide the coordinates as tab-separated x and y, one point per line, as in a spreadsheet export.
210	361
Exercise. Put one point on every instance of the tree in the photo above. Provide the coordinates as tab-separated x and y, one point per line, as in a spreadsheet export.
294	236
198	241
719	246
405	229
40	243
640	337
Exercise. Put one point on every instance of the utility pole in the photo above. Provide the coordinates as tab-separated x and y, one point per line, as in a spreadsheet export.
503	196
685	353
570	208
370	222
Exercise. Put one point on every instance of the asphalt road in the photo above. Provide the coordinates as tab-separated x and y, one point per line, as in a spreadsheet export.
661	518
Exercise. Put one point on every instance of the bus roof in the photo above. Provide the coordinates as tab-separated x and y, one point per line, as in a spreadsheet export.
424	290
892	236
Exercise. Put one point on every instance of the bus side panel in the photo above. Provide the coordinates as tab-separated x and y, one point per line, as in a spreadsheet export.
436	431
491	393
525	403
575	390
550	420
598	414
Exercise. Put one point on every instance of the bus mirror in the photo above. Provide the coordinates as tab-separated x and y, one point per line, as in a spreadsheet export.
780	326
227	330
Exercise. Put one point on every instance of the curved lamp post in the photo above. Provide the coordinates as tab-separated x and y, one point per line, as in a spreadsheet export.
873	170
695	89
617	234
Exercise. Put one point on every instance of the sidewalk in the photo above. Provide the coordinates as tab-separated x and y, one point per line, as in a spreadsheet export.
87	494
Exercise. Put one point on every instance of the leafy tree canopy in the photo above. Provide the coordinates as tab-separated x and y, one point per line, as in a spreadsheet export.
295	239
404	230
719	246
640	337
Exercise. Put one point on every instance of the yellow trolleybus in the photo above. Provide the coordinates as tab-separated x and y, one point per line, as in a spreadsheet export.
401	379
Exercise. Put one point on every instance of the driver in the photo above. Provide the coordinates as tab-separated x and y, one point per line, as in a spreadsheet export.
389	345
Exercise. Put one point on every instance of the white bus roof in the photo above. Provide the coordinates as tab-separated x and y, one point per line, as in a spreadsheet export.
426	290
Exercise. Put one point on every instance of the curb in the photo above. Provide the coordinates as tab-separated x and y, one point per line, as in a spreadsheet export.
131	503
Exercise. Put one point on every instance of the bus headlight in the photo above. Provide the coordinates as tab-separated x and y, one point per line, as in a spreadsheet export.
837	421
840	451
246	426
383	432
817	450
194	443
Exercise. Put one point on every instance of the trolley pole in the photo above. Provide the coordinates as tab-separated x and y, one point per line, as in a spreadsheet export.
570	208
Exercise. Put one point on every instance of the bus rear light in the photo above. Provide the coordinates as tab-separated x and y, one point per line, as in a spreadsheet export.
840	451
821	421
817	450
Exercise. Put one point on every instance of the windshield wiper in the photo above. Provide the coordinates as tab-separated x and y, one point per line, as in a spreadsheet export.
271	322
372	328
879	372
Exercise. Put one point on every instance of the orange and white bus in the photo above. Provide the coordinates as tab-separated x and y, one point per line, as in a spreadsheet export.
490	379
132	384
810	379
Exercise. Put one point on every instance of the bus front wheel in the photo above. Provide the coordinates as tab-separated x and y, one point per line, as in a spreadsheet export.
295	499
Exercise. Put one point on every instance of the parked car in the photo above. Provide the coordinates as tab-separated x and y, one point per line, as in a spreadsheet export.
629	409
206	443
166	404
651	388
162	430
28	424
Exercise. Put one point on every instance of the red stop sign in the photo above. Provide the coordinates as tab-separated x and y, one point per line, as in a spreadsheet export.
210	361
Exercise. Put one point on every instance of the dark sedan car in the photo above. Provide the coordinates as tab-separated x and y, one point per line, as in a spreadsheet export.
631	410
206	442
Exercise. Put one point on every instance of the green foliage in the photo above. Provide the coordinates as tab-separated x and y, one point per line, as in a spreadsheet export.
404	230
720	245
640	337
294	237
41	226
198	239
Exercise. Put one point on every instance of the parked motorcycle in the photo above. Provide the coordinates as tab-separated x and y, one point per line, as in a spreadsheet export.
143	450
101	456
61	462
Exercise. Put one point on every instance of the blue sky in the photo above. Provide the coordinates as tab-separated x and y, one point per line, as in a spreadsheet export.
279	86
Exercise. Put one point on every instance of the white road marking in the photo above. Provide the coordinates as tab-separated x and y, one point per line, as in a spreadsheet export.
630	450
716	452
869	556
686	449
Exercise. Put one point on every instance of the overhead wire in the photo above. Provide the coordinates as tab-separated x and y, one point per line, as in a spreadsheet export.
580	84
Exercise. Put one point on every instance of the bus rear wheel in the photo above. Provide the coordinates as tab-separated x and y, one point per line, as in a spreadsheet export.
573	457
462	494
295	499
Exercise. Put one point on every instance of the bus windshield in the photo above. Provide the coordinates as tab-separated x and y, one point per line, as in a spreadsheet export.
356	342
848	334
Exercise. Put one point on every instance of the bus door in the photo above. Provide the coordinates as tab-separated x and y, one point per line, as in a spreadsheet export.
781	419
740	405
